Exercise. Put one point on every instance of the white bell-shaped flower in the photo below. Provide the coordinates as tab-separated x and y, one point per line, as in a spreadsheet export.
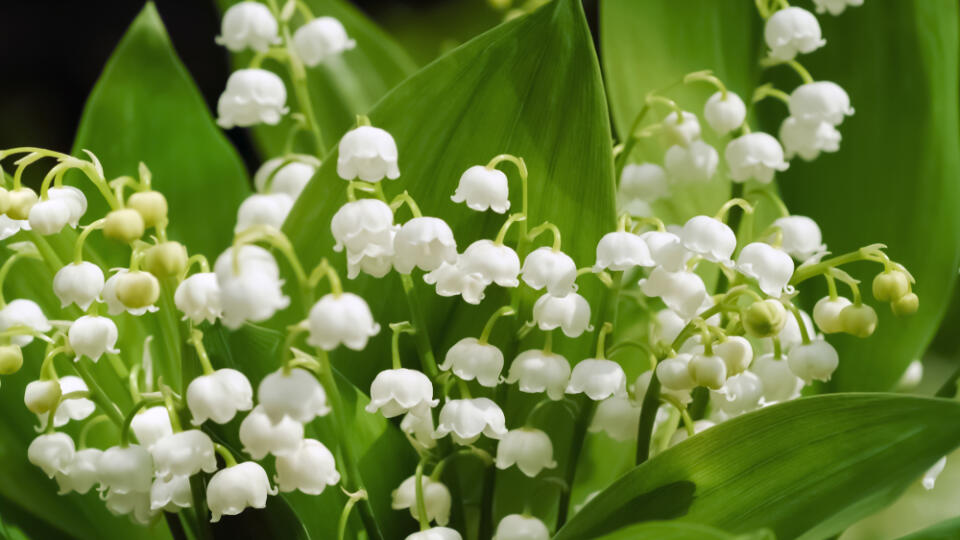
826	313
521	527
791	336
82	473
791	31
807	140
364	226
310	468
642	384
835	7
466	419
666	250
618	417
150	425
22	312
570	313
375	260
171	495
420	429
634	207
598	379
622	251
754	156
184	454
92	336
736	352
435	533
451	280
78	283
724	113
252	96
10	227
251	290
320	39
288	174
644	181
771	267
69	409
75	200
367	153
261	436
266	209
436	497
552	269
135	504
248	25
681	129
667	326
236	488
470	359
343	318
398	391
528	448
800	236
114	305
683	292
709	237
126	469
493	262
930	477
218	396
49	216
537	371
694	163
779	382
424	243
674	372
820	101
52	452
814	361
741	393
295	394
41	396
482	188
698	427
198	298
707	370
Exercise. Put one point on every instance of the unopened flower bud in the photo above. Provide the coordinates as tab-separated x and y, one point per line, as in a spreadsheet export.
826	313
137	289
20	202
709	371
906	305
124	225
890	286
151	205
166	259
11	359
859	320
765	318
42	396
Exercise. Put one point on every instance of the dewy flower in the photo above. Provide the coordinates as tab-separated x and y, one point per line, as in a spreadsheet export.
820	101
451	280
70	409
598	379
81	473
310	469
435	533
261	436
482	188
292	394
49	216
754	156
552	269
674	372
470	359
343	318
252	96
424	243
269	209
150	425
520	527
695	163
435	495
218	396
771	267
528	448
398	391
621	251
21	312
251	289
367	153
114	305
800	236
466	419
779	382
725	113
835	7
681	129
808	139
184	454
78	283
741	393
126	469
618	417
248	25
813	361
644	181
320	39
288	174
791	31
233	489
170	495
683	292
52	452
710	238
537	371
198	297
826	313
92	336
493	262
570	313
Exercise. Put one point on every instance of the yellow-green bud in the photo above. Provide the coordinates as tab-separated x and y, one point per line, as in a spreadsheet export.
166	259
11	359
889	286
137	289
20	201
151	205
125	225
907	304
765	318
859	320
4	201
42	396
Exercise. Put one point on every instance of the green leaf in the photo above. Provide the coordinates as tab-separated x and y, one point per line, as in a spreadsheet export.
806	468
674	530
341	87
945	530
894	179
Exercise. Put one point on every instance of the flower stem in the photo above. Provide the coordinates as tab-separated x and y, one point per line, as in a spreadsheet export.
421	502
488	327
422	339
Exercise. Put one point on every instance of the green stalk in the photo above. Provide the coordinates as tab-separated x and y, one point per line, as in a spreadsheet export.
421	338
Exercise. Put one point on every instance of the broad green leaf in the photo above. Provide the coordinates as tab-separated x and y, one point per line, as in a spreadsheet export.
676	530
894	179
806	468
945	530
340	88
